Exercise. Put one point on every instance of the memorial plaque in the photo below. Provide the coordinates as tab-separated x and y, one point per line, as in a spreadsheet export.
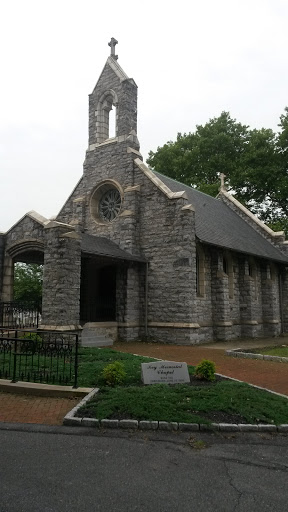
165	372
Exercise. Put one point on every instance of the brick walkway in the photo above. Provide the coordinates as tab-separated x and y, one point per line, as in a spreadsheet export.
34	409
51	411
266	374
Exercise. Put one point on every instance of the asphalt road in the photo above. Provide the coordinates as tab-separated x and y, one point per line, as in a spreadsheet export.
59	469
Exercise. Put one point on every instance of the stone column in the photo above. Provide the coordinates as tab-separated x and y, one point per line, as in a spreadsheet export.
61	279
270	302
131	325
222	325
7	279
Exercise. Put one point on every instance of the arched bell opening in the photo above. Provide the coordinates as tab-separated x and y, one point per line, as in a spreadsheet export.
107	117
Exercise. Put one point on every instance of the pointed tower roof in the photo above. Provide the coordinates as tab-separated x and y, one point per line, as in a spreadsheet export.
114	65
113	89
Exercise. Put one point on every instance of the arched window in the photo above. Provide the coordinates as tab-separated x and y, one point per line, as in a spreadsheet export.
106	116
200	272
251	268
273	272
228	269
225	265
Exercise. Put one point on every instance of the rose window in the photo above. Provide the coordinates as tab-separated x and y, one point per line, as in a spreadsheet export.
110	204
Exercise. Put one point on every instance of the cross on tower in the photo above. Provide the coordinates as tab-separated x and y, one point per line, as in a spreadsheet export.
112	45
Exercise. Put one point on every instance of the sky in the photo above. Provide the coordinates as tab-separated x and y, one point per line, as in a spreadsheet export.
190	59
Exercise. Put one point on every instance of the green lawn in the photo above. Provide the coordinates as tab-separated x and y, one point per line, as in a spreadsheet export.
274	351
185	403
182	403
93	360
91	363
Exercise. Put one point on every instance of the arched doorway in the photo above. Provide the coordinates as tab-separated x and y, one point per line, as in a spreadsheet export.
22	285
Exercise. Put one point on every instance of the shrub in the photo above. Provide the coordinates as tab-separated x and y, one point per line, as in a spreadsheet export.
32	340
205	370
32	336
114	374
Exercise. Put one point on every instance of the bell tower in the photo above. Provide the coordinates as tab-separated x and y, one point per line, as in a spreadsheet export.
114	89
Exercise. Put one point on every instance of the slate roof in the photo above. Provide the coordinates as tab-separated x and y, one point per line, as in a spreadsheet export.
100	246
219	225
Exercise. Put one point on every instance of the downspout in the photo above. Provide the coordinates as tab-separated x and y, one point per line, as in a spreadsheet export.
146	302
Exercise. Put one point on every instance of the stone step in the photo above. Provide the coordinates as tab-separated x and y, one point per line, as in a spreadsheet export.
93	336
93	343
92	340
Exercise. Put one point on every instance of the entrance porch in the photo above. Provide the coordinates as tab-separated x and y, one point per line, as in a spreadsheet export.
112	292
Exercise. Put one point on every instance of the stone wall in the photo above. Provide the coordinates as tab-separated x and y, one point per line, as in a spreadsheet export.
167	240
249	308
61	279
27	229
114	162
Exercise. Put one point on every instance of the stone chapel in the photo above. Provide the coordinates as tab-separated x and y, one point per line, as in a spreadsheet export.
140	256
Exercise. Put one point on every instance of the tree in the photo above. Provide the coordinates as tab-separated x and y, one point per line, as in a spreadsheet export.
28	282
255	163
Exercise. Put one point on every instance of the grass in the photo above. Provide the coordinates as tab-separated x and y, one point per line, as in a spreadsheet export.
185	403
93	360
274	351
91	363
182	403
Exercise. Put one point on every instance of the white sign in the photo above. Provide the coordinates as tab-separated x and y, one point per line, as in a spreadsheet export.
165	372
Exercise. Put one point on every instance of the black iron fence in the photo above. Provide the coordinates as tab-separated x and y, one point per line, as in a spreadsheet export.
19	315
42	356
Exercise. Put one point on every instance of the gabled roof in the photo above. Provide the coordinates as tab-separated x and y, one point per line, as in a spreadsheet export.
100	246
219	225
34	216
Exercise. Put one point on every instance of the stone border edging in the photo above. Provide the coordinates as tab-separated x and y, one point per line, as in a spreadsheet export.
238	352
71	420
39	389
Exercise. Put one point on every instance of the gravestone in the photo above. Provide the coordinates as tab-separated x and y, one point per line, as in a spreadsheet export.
164	372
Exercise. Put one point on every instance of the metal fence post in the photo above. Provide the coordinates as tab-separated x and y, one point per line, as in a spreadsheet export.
76	363
15	357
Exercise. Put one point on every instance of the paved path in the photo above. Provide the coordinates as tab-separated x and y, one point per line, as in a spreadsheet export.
266	374
50	411
34	409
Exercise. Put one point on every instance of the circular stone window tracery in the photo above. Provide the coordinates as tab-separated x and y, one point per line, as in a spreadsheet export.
106	201
110	204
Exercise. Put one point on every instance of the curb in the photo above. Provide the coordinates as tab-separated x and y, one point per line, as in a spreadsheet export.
46	390
238	352
73	421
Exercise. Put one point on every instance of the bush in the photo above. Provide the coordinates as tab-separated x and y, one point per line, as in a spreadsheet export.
205	370
114	374
32	341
